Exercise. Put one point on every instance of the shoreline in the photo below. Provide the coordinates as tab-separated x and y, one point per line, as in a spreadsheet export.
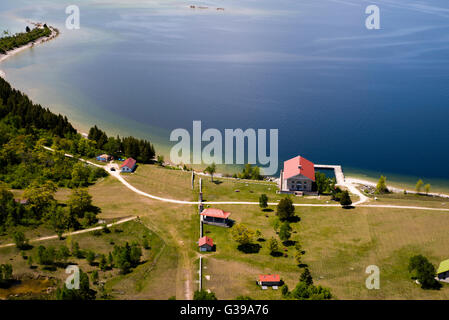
394	189
364	178
399	184
10	53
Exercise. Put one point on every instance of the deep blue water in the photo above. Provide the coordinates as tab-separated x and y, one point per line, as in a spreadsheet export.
338	93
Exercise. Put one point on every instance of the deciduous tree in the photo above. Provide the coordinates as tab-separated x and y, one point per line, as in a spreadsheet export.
285	209
241	234
381	186
419	185
273	246
345	199
285	231
263	201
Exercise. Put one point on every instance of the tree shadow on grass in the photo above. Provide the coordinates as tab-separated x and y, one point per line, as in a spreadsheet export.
303	265
49	268
267	210
348	207
289	243
5	284
217	182
26	247
276	254
293	219
249	248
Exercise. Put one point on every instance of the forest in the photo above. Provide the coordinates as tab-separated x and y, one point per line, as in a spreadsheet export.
25	128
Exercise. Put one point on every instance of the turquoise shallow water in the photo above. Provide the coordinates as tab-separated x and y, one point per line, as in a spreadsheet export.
371	100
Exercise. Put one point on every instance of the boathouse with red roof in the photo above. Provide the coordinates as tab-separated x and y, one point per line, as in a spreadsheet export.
297	176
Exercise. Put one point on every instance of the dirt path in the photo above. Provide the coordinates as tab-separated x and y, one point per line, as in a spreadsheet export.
348	184
73	233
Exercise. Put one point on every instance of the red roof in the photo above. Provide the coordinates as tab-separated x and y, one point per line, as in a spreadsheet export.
269	278
130	162
216	213
299	165
205	240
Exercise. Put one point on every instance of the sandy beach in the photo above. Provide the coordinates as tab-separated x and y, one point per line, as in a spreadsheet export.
3	57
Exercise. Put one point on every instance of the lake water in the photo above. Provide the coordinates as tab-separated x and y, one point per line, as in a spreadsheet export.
375	101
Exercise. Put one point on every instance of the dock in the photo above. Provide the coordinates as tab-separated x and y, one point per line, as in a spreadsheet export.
338	171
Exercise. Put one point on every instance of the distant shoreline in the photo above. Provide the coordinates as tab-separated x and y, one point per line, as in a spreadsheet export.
81	128
10	53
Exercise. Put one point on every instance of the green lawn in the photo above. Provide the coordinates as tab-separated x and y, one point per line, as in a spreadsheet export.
401	199
176	184
339	245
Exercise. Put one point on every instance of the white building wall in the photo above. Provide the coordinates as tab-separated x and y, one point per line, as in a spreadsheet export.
298	183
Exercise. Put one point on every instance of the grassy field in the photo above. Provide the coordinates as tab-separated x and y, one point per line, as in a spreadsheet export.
339	245
176	184
168	266
401	199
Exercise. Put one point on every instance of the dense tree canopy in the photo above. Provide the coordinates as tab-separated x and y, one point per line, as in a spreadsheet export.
141	150
204	295
19	39
424	272
250	172
83	293
324	184
126	257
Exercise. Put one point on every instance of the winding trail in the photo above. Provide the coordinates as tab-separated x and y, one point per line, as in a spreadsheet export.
348	184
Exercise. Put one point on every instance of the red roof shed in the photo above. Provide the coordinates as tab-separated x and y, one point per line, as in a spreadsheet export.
205	240
215	213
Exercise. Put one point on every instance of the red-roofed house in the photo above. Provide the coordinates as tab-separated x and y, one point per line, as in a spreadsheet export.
215	217
269	280
205	243
298	175
128	165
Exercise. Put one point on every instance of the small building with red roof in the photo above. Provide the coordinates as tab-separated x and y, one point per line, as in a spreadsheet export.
298	175
269	280
205	244
216	217
128	165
